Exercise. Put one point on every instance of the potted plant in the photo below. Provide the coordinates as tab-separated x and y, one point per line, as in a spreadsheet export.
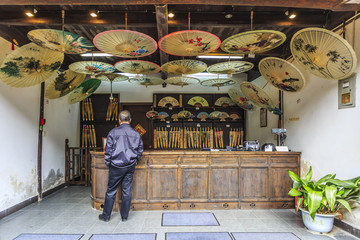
320	201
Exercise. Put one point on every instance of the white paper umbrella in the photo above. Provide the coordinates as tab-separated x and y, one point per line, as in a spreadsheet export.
30	65
238	97
256	94
84	90
234	67
323	53
64	83
62	41
112	77
92	67
125	43
146	81
282	74
218	82
189	43
182	67
137	67
182	81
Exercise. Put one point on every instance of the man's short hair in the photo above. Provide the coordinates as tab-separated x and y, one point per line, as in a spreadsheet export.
124	116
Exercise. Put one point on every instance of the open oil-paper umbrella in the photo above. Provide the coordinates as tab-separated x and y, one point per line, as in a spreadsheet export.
218	82
183	67
258	41
137	67
323	53
182	81
125	43
63	84
238	97
84	90
92	67
189	43
30	65
230	68
112	77
146	81
62	41
282	74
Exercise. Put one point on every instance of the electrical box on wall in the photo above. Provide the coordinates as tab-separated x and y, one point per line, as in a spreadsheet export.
347	92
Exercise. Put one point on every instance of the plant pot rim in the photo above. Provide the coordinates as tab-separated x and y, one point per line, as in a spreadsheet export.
319	214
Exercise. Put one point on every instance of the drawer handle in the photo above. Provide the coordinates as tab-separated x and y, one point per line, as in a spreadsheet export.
252	205
192	205
165	206
225	205
285	205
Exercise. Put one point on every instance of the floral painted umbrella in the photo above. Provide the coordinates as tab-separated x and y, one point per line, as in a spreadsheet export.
218	82
230	68
182	81
258	41
125	43
189	43
323	53
282	74
240	100
30	65
137	67
146	81
183	67
84	90
64	83
62	41
92	67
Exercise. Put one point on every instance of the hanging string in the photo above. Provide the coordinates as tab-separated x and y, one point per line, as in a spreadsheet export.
189	21
251	20
126	19
63	20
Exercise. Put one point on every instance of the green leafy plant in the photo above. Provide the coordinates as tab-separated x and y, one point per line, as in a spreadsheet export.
327	195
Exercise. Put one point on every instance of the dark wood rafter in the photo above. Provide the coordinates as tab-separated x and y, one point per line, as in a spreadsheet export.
162	29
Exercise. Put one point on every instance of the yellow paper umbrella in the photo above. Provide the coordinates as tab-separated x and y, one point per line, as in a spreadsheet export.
238	97
125	43
112	77
183	67
218	82
92	67
224	102
258	41
30	65
84	90
146	81
64	83
282	74
230	68
61	41
137	67
323	53
189	43
182	81
256	94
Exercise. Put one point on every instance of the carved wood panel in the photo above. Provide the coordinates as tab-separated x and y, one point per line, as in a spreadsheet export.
224	183
162	183
194	182
280	182
139	186
254	183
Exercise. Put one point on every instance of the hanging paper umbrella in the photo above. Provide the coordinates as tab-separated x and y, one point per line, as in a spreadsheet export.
182	81
30	65
125	43
137	67
230	68
258	41
61	41
323	53
282	74
189	43
112	77
239	98
92	67
146	81
84	90
218	82
182	67
63	84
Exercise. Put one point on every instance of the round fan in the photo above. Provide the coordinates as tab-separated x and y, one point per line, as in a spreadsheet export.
218	82
198	101
30	65
152	114
63	84
240	99
256	94
189	43
125	43
137	67
323	53
258	41
112	77
146	81
224	102
234	116
184	114
230	68
61	41
215	115
168	101
182	67
223	116
182	81
203	116
92	67
84	90
282	74
162	116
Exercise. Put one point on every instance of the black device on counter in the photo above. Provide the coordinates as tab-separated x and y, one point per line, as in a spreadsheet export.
252	145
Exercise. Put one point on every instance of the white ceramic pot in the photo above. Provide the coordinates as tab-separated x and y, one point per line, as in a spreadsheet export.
322	223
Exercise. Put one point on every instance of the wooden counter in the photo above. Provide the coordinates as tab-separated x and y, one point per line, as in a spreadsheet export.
204	180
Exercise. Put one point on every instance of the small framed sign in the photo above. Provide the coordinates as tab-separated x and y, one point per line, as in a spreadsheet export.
263	117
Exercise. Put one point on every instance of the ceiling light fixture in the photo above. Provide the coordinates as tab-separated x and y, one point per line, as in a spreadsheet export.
94	13
292	15
228	12
30	12
171	15
219	57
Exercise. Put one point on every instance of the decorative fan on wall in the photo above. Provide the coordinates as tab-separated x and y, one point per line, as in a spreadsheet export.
168	101
63	84
240	99
146	81
137	67
230	68
125	43
258	41
92	67
224	102
282	74
182	81
323	53
218	82
198	101
189	43
61	41
84	90
183	67
30	65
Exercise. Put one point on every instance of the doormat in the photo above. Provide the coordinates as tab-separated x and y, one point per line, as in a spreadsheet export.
124	236
264	236
189	219
197	236
45	236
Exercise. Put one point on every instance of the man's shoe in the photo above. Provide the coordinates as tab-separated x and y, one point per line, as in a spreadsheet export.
102	218
124	219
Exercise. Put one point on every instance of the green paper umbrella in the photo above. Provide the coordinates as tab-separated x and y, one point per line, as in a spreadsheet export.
84	90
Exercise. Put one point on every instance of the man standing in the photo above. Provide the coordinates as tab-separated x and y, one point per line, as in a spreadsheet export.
124	147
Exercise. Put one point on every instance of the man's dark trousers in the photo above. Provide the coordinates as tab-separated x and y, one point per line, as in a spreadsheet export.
116	175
